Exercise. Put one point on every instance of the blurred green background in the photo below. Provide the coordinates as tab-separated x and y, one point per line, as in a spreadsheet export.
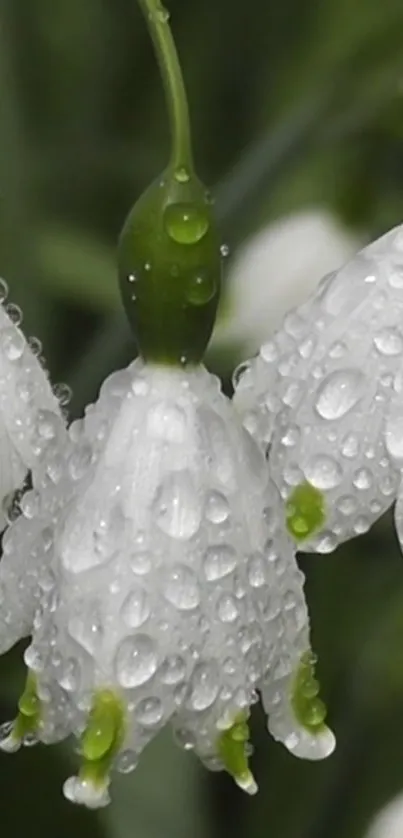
294	104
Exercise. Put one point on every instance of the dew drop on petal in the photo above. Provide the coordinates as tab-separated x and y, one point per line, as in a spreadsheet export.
177	507
323	472
135	608
12	343
149	711
172	670
227	608
219	561
394	436
204	686
136	661
217	508
181	588
389	342
338	393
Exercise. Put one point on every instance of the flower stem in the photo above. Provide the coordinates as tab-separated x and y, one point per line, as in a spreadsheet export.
157	21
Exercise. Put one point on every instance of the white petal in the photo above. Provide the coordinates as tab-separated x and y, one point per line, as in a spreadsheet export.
388	823
320	392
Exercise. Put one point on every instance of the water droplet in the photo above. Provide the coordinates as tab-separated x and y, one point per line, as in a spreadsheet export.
63	393
79	461
269	352
204	686
172	670
136	661
227	608
349	446
126	762
140	562
14	313
396	278
12	343
162	14
349	286
136	609
185	223
389	342
69	679
181	588
338	393
177	506
149	712
35	345
217	508
182	175
362	479
361	525
219	561
224	250
394	436
346	505
323	472
291	436
257	571
201	288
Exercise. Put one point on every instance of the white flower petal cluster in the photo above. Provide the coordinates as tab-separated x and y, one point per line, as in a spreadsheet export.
282	262
25	392
324	396
166	585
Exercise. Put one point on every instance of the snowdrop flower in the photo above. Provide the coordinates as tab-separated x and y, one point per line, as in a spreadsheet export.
324	398
151	563
25	393
388	823
277	268
168	587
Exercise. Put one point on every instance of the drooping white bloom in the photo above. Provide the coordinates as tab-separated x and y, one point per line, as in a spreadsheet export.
168	588
326	395
275	269
25	392
388	823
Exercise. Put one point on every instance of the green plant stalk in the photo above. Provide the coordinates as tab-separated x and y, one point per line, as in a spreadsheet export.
157	21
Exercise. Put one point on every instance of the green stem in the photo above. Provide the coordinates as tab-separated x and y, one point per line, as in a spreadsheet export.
157	21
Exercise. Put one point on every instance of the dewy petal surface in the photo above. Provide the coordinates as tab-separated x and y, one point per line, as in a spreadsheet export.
30	421
167	581
324	393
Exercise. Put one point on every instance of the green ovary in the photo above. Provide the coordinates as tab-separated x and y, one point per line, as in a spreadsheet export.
232	748
305	511
102	737
309	710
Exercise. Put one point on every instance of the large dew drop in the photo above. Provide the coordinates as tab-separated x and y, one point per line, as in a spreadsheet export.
339	393
181	588
136	661
185	223
177	506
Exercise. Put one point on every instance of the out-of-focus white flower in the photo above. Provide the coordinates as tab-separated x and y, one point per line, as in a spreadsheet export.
25	392
276	269
167	586
326	395
388	823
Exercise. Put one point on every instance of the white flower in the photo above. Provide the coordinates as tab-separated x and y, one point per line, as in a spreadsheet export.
24	392
275	269
168	587
388	823
326	395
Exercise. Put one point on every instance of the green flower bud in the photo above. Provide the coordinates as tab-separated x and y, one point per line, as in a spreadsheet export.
170	269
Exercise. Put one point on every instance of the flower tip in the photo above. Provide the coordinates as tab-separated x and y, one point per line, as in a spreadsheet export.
85	792
247	783
312	745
